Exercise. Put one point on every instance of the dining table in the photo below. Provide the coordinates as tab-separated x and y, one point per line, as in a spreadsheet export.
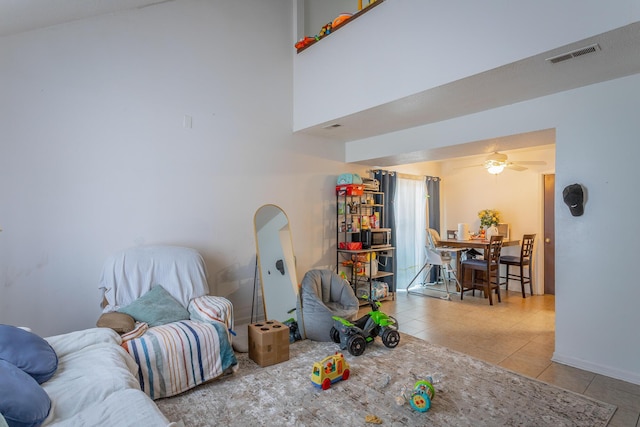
483	244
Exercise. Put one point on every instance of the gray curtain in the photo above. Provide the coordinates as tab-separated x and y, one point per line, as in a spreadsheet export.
388	182
433	194
433	204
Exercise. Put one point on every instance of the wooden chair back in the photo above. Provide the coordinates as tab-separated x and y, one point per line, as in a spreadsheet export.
493	256
527	246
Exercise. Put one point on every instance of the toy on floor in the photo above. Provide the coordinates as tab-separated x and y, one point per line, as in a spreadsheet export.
420	397
329	370
294	332
355	336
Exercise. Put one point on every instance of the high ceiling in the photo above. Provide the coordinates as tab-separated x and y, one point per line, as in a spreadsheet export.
617	54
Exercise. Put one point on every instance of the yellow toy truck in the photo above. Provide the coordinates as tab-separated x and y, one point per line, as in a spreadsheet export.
329	370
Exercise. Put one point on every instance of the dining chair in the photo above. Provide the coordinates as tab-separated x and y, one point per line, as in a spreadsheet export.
526	250
490	266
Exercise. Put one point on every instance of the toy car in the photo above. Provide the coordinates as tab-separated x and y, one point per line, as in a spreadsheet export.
355	336
329	370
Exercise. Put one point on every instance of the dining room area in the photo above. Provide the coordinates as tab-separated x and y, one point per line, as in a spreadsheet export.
466	191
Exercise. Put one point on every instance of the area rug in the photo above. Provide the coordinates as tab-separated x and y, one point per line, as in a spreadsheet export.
468	392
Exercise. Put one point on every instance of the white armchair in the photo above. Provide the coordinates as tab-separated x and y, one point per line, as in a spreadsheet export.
193	347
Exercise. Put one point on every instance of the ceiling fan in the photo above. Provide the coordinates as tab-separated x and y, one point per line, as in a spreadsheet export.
497	162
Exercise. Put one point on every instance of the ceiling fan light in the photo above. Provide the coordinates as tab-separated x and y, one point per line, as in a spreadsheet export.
495	169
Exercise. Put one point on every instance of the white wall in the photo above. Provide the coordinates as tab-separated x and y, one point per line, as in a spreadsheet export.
95	157
418	45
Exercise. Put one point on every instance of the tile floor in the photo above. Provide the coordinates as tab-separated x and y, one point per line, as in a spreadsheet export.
517	334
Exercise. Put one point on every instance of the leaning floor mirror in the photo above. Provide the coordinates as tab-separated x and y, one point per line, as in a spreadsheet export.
276	263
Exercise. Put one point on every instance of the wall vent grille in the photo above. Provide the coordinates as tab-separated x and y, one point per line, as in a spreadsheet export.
593	48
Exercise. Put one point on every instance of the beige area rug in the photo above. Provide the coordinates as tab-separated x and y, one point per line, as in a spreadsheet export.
469	392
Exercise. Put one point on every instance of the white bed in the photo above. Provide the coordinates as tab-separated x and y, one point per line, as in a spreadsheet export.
95	384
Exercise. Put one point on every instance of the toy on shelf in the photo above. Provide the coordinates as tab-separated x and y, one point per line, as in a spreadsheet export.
329	370
325	30
355	336
420	396
340	19
304	42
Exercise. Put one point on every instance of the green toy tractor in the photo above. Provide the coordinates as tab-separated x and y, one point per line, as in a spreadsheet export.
355	336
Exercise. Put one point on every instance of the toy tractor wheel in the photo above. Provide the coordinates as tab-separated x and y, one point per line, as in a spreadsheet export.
356	345
345	374
391	338
335	334
326	384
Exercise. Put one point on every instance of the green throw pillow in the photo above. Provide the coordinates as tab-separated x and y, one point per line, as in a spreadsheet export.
156	307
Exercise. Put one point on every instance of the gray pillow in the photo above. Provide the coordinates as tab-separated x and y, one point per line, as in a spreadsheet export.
156	307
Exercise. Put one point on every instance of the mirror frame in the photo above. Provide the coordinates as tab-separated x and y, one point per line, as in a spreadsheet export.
276	262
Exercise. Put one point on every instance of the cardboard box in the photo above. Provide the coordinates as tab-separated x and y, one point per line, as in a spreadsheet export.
268	342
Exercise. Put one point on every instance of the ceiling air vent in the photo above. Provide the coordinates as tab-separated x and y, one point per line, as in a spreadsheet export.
574	53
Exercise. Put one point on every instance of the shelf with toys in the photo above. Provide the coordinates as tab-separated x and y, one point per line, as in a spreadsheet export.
362	245
340	21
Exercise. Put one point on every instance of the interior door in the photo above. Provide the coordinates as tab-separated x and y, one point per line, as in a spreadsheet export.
549	234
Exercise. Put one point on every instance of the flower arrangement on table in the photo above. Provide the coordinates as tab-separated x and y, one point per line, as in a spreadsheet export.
488	217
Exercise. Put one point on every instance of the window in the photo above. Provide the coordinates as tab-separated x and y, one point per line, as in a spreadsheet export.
411	220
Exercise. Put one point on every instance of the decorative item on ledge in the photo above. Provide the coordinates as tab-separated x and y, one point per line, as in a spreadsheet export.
334	25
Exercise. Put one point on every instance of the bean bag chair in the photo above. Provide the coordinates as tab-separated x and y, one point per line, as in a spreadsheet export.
324	294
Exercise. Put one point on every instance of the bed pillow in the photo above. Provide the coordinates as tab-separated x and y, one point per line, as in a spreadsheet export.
156	307
28	352
23	402
119	322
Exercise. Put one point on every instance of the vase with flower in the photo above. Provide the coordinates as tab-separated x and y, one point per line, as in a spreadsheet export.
489	220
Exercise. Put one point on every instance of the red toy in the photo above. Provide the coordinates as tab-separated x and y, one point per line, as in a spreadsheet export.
304	42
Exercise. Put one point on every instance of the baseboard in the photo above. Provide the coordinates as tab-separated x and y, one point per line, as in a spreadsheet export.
608	371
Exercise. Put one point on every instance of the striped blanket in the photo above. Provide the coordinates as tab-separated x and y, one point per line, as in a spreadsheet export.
178	356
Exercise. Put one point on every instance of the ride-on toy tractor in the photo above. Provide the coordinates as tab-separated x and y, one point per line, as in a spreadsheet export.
355	336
